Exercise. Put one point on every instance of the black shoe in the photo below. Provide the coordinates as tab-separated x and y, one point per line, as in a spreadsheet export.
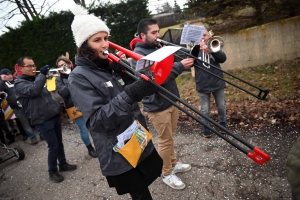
92	151
207	135
25	137
10	141
56	177
67	167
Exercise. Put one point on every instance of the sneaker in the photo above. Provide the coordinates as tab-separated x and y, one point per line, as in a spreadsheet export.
207	135
173	181
34	141
93	153
180	167
56	177
67	167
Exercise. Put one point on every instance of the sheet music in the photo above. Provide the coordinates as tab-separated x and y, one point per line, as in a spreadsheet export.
191	34
156	56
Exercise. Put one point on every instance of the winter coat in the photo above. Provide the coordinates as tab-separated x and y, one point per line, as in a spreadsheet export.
63	90
35	99
206	82
8	87
100	97
154	102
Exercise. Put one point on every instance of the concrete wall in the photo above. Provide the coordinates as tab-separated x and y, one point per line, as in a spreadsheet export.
264	44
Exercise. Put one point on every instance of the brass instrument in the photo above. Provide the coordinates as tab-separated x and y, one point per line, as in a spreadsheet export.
214	44
66	69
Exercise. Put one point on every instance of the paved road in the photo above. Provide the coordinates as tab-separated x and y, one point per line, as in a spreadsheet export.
219	171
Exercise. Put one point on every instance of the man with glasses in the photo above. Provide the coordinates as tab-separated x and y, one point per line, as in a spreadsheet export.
44	113
7	85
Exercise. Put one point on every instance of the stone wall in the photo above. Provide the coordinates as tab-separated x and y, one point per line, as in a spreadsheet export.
263	44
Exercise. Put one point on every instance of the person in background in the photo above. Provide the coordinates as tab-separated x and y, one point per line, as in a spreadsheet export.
122	55
44	114
62	85
3	124
207	84
7	85
162	114
110	108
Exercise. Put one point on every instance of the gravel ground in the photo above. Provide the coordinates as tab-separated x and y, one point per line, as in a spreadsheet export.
219	170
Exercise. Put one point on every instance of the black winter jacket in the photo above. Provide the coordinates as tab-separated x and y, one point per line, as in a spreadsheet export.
36	100
100	97
63	89
205	82
154	102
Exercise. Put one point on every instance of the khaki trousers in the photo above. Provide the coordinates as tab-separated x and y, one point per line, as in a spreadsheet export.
165	124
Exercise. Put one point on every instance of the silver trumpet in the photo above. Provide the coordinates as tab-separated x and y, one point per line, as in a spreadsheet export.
66	69
214	44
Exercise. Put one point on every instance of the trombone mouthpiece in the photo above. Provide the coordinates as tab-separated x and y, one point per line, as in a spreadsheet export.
105	52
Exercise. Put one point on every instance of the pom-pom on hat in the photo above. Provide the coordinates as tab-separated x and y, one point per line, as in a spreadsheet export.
85	25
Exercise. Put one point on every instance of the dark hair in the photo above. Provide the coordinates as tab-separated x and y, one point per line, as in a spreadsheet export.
20	61
86	51
143	26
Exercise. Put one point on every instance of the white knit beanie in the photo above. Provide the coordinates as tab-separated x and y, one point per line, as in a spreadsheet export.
85	25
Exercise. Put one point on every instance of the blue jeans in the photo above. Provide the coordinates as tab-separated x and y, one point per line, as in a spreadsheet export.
50	130
84	134
20	113
205	107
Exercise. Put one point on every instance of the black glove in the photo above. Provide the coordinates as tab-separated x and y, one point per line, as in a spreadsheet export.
44	70
3	96
139	89
195	50
117	67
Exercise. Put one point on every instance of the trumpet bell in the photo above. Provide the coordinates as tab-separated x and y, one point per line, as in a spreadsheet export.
215	44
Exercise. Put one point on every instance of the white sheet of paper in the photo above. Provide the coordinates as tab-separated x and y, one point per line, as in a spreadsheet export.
156	56
191	34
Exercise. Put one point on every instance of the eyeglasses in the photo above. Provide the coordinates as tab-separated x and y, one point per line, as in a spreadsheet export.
30	66
204	35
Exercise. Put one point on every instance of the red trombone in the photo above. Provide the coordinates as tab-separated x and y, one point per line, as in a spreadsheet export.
160	71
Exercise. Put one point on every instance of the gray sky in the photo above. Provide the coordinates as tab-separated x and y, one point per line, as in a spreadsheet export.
66	5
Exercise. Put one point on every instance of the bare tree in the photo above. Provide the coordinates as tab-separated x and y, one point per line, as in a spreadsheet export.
26	8
164	8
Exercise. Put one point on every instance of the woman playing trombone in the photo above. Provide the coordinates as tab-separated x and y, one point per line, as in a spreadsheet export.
109	108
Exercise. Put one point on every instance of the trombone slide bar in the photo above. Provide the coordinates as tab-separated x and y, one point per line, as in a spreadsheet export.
262	91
